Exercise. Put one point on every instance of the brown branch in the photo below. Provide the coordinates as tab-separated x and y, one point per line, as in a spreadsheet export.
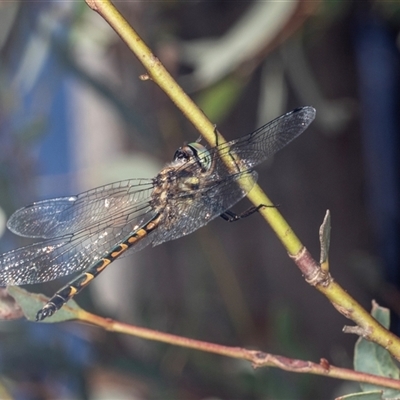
257	358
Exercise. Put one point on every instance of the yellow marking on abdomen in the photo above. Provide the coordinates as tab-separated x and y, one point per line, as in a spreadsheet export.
88	278
150	226
140	234
73	291
133	240
122	248
105	262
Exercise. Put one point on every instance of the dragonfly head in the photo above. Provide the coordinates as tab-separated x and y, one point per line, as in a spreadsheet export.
194	151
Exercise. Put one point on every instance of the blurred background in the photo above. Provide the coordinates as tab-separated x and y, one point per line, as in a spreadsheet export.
75	115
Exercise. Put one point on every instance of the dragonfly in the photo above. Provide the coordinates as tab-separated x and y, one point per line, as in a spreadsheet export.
87	232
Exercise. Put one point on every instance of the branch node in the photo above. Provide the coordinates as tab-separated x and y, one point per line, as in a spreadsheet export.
324	363
144	77
357	330
311	270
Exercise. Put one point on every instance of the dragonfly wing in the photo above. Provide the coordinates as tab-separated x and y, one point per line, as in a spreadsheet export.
115	202
264	142
54	258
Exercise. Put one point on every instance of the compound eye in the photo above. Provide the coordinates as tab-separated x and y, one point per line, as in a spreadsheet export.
183	154
202	155
178	154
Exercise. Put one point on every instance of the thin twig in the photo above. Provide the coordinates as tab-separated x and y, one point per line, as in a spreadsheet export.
257	358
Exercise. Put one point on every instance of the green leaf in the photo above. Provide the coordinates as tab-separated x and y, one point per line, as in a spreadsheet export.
371	358
374	395
325	237
381	314
31	303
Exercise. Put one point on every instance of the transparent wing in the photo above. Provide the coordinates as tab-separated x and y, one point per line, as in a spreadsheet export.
54	258
264	142
114	204
79	230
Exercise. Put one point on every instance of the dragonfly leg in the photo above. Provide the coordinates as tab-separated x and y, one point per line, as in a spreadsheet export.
230	216
216	134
